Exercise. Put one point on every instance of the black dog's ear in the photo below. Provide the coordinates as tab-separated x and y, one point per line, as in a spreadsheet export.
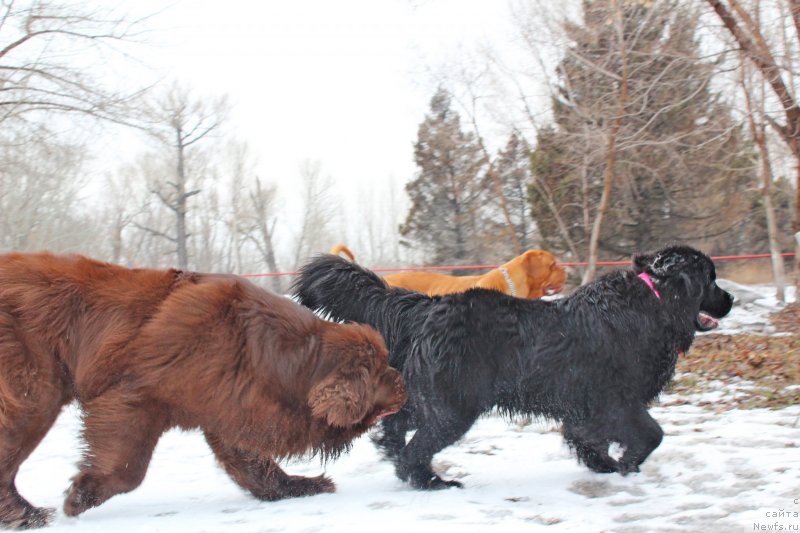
643	263
668	262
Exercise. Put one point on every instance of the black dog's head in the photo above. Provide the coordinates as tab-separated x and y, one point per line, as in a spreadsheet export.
690	272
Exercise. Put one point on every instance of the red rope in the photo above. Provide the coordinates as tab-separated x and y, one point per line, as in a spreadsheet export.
480	267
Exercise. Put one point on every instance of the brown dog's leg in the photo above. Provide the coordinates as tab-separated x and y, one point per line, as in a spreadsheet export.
19	436
120	435
30	399
262	476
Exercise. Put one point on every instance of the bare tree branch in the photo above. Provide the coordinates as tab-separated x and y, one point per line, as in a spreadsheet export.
155	232
35	77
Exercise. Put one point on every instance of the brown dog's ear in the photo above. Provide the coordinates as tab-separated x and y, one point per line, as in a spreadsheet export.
341	399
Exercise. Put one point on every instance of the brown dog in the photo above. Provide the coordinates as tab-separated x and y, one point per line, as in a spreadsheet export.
530	275
147	350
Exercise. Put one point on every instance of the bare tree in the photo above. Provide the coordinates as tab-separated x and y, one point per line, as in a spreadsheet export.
210	231
493	179
55	58
238	169
528	88
40	186
37	76
755	105
257	224
179	121
376	224
122	205
749	33
611	139
317	212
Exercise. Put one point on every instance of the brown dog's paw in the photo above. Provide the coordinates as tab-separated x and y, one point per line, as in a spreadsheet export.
81	495
309	486
32	518
295	487
325	484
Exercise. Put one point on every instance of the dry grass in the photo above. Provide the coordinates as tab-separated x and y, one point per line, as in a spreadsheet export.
771	364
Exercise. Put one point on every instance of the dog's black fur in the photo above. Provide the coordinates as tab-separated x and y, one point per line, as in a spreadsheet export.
593	360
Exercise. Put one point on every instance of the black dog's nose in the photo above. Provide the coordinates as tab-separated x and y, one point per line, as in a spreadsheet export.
729	304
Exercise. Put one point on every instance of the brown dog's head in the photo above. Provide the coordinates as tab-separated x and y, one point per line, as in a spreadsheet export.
540	272
358	386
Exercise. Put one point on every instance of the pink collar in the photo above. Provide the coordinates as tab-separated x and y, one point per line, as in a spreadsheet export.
644	276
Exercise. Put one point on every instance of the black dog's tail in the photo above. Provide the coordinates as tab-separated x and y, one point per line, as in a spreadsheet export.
347	292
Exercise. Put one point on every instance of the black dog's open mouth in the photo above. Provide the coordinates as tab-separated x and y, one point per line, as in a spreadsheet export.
705	322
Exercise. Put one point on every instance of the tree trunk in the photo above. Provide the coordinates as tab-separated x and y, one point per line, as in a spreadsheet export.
116	241
758	132
797	238
180	206
608	181
269	256
498	185
547	197
778	273
611	152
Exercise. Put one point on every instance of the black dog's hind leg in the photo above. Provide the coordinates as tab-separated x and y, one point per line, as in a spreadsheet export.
641	435
633	429
591	451
413	463
392	436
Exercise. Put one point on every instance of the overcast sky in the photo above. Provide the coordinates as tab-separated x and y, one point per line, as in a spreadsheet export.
344	82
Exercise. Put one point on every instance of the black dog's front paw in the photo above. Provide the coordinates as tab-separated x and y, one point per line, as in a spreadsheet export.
422	478
600	465
625	469
594	461
628	464
435	483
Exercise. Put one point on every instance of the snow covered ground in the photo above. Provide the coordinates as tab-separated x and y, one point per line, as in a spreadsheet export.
715	471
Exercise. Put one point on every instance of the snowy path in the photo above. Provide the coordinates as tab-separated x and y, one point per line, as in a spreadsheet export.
713	472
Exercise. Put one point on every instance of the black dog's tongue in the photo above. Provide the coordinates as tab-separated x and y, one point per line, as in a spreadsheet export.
707	322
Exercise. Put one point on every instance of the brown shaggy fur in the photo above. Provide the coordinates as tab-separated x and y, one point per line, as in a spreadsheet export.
533	274
143	351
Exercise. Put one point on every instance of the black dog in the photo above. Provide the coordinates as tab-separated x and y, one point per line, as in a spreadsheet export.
593	360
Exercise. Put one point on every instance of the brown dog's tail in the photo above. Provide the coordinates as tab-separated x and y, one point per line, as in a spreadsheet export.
342	249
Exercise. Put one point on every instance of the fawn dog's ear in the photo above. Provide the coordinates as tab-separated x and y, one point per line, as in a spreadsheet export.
538	264
543	274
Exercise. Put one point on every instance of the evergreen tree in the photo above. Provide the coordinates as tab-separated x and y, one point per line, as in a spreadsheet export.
445	214
682	168
512	165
